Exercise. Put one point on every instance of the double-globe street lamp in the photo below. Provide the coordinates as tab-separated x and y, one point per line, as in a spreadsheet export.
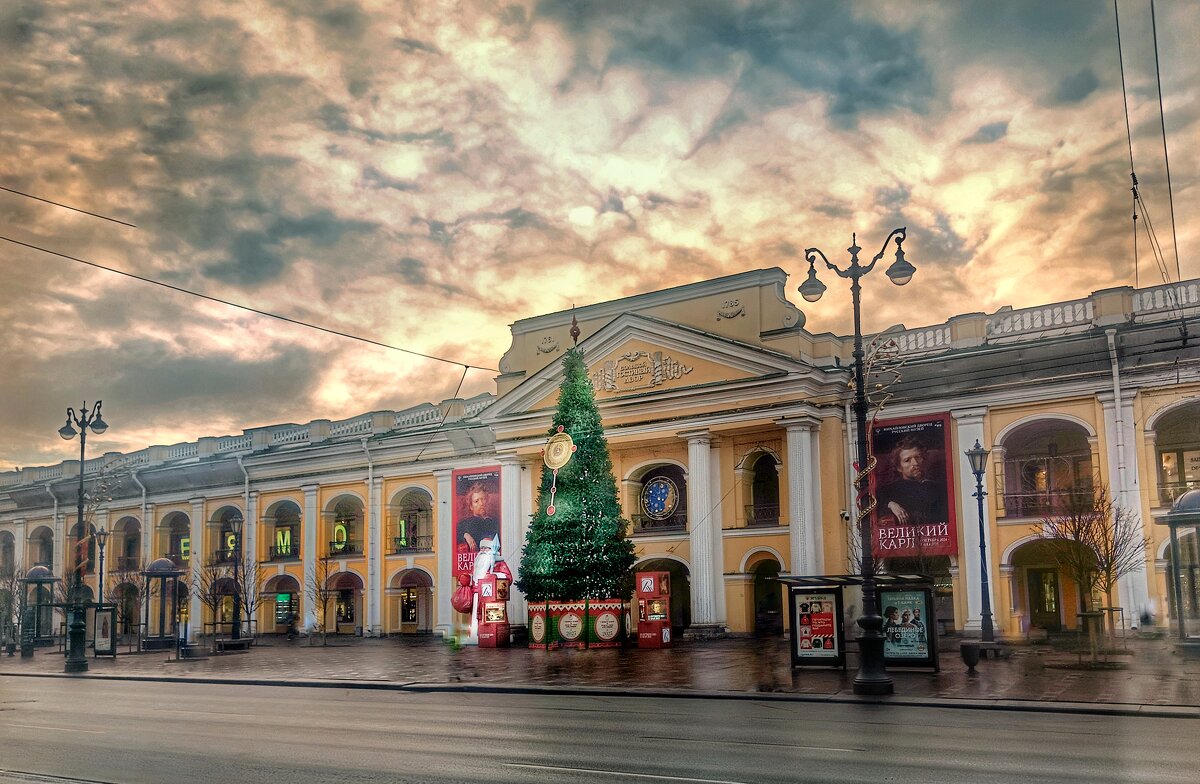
872	676
978	457
77	628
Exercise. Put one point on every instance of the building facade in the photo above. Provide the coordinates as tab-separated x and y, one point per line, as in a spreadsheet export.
715	388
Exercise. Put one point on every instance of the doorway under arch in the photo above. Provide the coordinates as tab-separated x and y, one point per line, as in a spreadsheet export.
681	590
410	603
768	598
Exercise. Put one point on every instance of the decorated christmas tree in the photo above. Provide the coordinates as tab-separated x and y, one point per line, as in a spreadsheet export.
576	546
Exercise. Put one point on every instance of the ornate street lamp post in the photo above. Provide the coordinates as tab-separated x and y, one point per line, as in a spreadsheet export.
978	457
235	527
77	629
101	540
872	676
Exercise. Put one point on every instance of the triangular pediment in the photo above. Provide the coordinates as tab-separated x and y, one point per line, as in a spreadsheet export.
638	355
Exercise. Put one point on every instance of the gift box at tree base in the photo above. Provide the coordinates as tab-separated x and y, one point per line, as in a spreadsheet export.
589	623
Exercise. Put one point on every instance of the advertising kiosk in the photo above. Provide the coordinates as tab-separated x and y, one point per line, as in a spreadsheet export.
493	612
654	609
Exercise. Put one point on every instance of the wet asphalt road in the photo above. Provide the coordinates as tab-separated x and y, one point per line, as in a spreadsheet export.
134	732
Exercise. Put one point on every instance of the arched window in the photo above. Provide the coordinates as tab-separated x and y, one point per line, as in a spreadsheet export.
41	547
1047	468
410	523
177	532
1177	439
345	526
83	546
284	517
8	554
661	501
764	493
127	544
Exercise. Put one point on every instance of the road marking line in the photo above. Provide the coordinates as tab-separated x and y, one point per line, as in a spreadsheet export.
56	729
621	773
750	743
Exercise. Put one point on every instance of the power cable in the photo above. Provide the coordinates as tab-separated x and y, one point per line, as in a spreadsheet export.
268	314
1129	139
1163	121
67	206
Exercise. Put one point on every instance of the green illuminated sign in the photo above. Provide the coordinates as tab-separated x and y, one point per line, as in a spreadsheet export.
283	539
340	535
185	547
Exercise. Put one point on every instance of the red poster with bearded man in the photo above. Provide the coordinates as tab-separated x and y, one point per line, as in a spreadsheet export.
912	483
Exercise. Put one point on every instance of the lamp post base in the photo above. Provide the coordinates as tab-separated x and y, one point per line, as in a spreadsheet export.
76	642
872	678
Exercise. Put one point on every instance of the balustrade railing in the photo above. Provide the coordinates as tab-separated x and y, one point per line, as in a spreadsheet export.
643	524
412	544
762	515
284	552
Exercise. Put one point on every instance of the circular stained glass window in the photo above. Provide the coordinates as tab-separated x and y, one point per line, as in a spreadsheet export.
659	499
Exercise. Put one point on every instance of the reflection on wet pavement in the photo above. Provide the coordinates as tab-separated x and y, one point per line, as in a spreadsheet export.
1153	673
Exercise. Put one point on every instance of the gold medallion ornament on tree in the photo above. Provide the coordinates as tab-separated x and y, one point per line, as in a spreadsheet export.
557	454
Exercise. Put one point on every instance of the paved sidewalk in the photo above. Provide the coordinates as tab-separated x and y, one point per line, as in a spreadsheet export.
1153	675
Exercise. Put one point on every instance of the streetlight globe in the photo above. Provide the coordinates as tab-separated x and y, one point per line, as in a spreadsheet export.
901	272
99	425
812	288
978	457
102	537
66	431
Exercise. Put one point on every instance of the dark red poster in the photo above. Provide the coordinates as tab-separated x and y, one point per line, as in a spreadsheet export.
476	516
912	484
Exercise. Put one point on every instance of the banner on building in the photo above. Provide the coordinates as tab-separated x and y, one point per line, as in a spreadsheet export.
912	483
476	515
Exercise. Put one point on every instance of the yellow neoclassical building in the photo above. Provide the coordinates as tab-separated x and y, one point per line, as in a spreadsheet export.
717	389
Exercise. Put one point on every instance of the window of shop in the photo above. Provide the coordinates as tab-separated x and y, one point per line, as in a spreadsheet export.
285	608
764	493
1048	468
344	606
410	523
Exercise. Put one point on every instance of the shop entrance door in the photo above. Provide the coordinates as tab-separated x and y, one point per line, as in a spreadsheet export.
1044	599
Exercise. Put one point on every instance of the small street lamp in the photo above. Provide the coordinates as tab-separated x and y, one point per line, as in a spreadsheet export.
77	629
101	540
978	457
872	676
235	527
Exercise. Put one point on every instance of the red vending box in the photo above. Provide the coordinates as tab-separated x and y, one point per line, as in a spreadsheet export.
493	612
654	609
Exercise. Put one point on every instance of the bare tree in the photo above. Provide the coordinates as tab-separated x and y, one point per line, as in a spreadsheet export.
11	599
320	593
211	587
129	590
1096	542
253	581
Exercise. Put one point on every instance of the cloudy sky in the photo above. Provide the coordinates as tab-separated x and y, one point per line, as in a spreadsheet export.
423	173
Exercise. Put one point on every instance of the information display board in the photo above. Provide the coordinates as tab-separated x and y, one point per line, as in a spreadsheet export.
908	624
818	637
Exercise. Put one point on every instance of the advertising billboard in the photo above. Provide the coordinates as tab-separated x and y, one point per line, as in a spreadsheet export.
817	635
907	637
476	515
912	483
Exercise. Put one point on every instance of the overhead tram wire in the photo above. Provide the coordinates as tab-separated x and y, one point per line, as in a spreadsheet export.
1163	122
67	206
1129	139
247	308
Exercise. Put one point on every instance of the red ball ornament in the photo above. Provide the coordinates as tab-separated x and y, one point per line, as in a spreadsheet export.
550	510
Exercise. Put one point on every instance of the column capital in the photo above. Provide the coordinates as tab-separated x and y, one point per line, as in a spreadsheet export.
442	473
310	489
700	435
969	416
804	422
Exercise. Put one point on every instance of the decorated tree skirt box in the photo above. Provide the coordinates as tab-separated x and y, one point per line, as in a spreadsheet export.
592	623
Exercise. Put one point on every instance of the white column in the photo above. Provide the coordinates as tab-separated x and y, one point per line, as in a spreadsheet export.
149	529
1119	434
250	549
718	539
60	543
250	528
700	528
531	472
969	426
444	586
804	516
511	536
374	546
310	524
816	539
196	558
